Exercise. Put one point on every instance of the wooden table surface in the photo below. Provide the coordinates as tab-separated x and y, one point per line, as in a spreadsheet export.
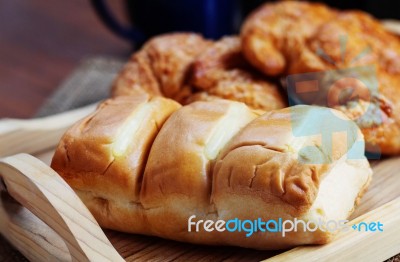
41	42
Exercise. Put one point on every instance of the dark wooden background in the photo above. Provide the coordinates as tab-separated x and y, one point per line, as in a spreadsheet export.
41	42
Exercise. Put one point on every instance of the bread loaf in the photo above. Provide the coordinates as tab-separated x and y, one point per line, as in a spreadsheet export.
145	165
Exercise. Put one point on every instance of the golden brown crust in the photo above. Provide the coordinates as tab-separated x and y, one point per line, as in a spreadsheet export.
161	66
222	71
173	65
349	39
272	177
178	176
88	156
274	162
272	31
137	77
275	177
166	173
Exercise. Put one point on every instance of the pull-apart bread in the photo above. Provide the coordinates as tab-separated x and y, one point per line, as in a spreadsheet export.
146	165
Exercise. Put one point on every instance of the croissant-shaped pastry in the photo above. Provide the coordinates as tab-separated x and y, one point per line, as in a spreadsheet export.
348	53
147	165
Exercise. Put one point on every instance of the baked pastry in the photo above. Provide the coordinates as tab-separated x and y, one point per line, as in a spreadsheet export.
161	67
274	30
222	71
358	61
210	161
183	65
375	102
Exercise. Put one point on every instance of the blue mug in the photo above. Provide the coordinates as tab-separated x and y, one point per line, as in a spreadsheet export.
211	18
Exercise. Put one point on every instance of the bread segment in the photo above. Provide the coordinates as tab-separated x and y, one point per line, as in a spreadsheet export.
105	153
180	159
273	182
272	147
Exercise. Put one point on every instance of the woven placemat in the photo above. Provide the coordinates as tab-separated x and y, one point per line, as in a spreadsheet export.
89	83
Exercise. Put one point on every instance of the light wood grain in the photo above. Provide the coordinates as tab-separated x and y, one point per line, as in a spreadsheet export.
35	135
385	186
34	239
42	191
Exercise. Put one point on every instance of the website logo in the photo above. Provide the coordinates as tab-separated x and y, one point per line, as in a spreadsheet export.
279	226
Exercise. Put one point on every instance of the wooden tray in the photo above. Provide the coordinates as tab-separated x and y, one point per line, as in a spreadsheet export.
44	219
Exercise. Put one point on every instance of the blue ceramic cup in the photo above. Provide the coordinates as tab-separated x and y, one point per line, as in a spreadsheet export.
212	18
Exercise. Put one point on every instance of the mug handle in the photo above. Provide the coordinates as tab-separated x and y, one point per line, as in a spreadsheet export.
109	20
